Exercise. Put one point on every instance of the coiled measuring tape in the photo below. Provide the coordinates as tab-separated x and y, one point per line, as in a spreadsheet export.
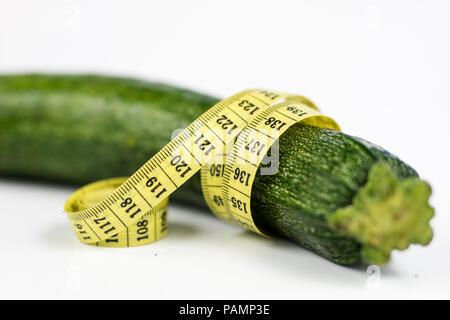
227	143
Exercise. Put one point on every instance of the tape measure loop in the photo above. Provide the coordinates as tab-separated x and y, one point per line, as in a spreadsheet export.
227	143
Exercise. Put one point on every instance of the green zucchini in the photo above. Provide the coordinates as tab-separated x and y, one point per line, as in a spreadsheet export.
334	194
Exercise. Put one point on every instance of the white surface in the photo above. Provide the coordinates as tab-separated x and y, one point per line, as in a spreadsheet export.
381	68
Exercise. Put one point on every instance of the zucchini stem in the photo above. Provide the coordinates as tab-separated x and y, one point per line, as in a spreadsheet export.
386	214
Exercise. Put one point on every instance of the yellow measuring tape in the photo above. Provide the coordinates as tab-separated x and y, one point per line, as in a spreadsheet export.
227	143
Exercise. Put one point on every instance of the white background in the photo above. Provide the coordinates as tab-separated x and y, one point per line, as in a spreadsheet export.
380	68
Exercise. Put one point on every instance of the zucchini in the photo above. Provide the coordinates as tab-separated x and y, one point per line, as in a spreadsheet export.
337	195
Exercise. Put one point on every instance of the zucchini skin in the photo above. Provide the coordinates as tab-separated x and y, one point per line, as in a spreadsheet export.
81	128
320	171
